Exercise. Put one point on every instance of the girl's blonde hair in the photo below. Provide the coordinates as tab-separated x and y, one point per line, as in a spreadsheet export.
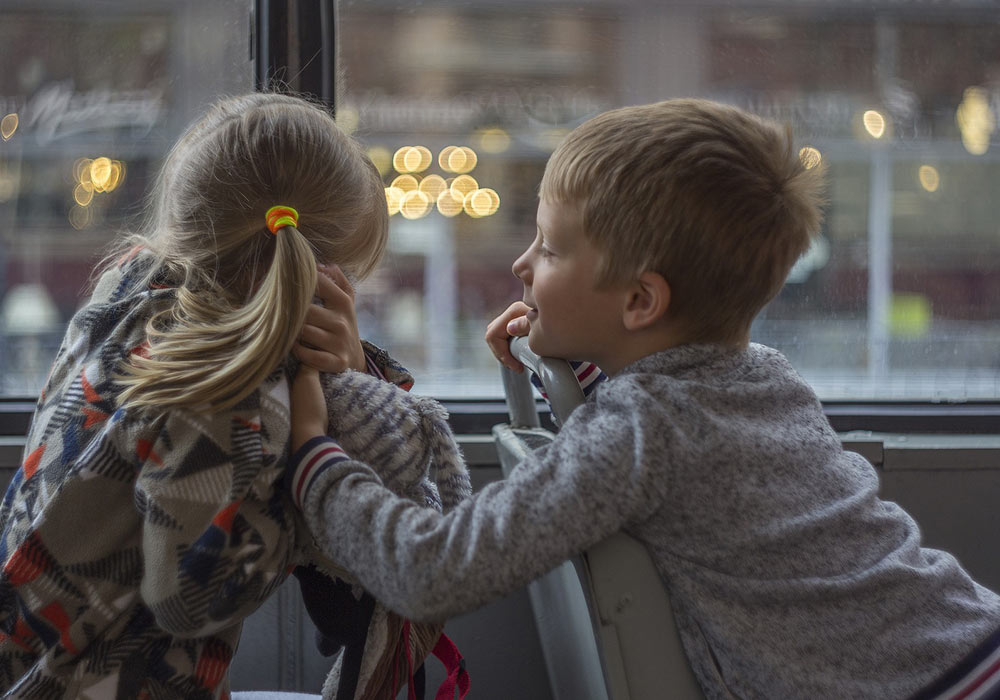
241	292
711	197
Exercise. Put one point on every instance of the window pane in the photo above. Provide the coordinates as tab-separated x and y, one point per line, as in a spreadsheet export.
91	97
898	299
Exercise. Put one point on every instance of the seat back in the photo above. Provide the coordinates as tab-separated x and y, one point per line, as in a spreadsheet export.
604	618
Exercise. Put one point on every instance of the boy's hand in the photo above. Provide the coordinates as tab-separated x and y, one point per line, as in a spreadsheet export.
498	333
309	417
329	340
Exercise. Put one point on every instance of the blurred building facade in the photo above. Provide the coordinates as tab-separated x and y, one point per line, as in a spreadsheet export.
460	105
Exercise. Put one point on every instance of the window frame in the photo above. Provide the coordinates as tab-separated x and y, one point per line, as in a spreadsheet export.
312	70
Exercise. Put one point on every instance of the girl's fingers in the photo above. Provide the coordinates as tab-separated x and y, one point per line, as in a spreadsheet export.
330	339
333	287
339	278
320	360
328	319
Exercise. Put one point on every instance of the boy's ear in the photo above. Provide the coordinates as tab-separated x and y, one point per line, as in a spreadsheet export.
647	301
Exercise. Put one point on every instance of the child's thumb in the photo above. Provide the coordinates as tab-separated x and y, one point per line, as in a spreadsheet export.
518	326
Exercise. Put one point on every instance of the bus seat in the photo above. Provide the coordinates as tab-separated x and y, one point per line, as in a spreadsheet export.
604	618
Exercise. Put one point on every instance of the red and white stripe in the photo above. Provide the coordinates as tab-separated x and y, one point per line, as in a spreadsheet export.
981	682
321	454
587	374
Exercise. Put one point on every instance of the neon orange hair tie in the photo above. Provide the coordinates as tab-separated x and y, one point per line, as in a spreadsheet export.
280	216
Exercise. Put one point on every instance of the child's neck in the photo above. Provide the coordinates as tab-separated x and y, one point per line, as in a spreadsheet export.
650	341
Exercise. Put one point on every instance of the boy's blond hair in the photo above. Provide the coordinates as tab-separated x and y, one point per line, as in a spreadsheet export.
242	292
713	198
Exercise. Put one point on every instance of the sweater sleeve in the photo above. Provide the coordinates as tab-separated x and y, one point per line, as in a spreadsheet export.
426	566
216	541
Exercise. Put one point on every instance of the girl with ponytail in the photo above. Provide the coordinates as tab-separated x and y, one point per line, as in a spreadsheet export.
149	517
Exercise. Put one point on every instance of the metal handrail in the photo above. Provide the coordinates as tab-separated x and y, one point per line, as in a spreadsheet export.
558	378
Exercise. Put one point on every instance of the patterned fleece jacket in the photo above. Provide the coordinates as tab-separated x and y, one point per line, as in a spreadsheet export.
133	546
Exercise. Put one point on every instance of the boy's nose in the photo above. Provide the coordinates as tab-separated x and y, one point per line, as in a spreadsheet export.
520	267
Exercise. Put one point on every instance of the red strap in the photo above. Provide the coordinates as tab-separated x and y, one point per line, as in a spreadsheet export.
449	655
454	664
411	693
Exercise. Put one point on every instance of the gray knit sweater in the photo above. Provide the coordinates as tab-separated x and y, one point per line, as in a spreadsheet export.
789	576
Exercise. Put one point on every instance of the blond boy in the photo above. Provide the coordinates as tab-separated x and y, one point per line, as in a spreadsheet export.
662	231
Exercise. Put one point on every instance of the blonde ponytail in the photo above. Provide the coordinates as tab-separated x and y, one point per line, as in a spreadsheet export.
201	358
241	293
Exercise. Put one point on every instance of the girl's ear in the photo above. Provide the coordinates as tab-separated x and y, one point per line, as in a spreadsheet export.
647	301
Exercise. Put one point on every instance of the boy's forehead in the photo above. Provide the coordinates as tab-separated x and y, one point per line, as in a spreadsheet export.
562	215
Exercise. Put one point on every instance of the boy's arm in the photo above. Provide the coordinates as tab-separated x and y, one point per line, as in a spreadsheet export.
429	566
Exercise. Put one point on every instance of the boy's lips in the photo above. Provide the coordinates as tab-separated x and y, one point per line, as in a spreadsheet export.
532	314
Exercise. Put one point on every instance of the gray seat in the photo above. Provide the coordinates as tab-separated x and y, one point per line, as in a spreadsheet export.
604	618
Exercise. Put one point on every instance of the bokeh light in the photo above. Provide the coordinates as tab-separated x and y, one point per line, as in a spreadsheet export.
381	159
463	185
83	194
393	198
448	204
81	170
412	159
414	193
433	186
494	140
415	204
975	120
80	217
443	157
929	178
407	183
874	123
810	157
481	202
8	125
425	156
457	159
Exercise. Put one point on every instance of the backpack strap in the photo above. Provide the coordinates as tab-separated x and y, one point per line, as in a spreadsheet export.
454	664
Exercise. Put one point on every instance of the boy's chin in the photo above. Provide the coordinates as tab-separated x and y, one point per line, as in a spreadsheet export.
538	346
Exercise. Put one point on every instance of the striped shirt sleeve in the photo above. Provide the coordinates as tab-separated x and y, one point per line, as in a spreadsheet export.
588	374
309	461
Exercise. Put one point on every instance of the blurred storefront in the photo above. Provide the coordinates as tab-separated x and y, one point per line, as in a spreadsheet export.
460	105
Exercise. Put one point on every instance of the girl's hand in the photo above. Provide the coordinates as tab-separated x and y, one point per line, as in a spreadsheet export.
309	417
329	340
498	333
